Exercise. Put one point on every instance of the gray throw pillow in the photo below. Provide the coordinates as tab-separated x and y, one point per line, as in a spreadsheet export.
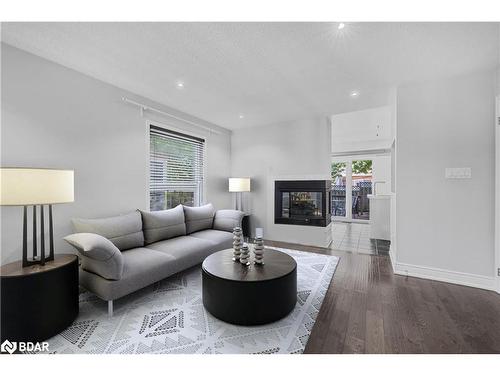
162	225
100	256
125	231
227	220
199	218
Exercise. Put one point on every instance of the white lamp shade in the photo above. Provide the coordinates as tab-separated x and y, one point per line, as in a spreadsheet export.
238	185
30	186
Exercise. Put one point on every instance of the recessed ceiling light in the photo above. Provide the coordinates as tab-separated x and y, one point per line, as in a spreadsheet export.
341	25
241	116
354	94
180	85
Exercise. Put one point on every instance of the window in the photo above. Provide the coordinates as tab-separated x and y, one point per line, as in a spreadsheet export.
175	169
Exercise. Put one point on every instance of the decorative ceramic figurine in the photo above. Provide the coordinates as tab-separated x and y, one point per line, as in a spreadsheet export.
258	250
245	255
237	244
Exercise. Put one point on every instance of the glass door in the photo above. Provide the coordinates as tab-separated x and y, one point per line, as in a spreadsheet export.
361	187
339	180
351	184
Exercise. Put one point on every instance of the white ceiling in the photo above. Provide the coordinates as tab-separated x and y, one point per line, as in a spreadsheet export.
269	72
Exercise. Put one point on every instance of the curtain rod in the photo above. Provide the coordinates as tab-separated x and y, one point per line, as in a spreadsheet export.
145	107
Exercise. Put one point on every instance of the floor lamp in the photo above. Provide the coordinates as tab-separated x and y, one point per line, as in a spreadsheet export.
239	185
36	187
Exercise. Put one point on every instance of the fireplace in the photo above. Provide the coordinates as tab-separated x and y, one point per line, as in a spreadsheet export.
304	202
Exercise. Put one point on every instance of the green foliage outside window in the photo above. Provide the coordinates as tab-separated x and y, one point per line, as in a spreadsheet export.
362	166
338	169
358	167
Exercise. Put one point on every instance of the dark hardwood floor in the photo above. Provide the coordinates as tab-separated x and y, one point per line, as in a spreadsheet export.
368	309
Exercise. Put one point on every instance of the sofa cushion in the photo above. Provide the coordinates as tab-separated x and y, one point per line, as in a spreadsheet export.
199	218
220	239
187	251
227	220
162	225
141	268
125	231
100	255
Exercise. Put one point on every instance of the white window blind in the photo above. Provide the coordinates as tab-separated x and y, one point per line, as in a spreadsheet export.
175	169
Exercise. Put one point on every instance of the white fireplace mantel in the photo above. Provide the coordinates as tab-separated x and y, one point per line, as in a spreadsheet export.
301	234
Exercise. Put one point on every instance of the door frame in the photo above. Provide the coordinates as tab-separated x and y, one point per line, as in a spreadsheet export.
348	159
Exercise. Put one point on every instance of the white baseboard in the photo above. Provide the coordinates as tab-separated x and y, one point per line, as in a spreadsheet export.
447	276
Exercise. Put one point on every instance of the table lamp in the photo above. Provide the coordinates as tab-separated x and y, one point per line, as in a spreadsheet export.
239	185
36	187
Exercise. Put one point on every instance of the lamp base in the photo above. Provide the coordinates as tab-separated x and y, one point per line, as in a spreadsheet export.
238	202
37	259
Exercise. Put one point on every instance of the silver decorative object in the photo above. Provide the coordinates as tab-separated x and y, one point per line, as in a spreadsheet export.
258	250
237	243
245	255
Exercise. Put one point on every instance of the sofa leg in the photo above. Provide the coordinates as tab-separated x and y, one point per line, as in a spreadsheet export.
110	309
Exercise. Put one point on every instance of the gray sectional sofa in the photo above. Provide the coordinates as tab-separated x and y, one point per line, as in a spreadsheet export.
122	254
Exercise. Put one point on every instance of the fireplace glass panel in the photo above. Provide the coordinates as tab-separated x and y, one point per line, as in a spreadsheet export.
303	204
285	204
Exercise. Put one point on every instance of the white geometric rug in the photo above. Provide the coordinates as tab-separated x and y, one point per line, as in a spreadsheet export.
169	317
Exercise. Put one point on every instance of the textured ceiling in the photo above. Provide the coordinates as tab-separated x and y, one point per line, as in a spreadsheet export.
268	72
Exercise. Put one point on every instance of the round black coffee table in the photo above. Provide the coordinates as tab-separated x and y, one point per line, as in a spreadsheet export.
249	295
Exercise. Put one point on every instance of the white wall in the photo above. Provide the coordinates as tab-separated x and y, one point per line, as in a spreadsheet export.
369	129
497	173
498	82
55	117
298	149
497	181
445	227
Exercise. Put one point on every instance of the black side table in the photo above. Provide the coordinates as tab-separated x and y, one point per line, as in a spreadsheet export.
38	302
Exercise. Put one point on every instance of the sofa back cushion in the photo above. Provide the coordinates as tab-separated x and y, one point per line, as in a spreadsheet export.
162	225
227	220
199	218
124	231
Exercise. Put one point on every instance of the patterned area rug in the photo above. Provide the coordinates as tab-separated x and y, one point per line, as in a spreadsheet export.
169	317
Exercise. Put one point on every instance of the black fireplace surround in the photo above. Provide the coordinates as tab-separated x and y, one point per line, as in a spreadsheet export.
302	202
